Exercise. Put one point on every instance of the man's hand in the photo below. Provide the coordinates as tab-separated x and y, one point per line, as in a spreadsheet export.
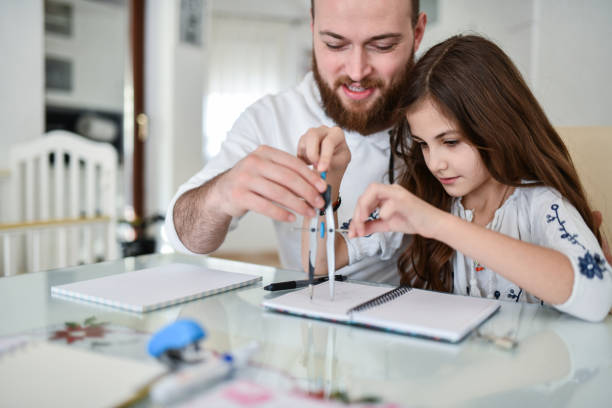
605	246
326	149
270	182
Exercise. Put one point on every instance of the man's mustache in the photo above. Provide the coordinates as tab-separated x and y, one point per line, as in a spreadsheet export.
364	83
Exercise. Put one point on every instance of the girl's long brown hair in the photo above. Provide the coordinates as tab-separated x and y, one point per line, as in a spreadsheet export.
474	82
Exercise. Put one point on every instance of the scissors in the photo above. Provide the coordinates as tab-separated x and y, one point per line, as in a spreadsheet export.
328	228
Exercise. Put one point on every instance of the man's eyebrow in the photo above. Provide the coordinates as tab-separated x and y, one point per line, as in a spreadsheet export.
375	38
385	36
331	34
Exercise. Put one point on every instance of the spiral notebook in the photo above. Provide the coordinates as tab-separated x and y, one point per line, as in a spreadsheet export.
422	313
153	288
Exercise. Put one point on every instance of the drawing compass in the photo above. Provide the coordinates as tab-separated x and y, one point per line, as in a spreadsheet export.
324	230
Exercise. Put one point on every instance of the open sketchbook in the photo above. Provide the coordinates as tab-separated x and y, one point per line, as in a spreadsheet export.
416	312
153	288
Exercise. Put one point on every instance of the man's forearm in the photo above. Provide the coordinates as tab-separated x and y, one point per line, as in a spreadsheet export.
200	224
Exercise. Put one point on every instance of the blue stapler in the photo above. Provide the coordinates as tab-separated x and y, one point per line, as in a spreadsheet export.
177	343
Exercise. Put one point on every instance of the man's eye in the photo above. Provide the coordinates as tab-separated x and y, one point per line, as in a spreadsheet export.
332	46
383	47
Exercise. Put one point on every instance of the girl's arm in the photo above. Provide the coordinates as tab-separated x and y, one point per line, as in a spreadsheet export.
544	272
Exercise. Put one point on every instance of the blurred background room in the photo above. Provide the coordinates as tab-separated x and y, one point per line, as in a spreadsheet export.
107	106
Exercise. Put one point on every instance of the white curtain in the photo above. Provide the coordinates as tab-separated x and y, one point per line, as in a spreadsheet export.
248	59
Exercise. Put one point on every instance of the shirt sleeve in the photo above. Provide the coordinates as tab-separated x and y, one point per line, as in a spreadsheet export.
241	140
558	225
381	244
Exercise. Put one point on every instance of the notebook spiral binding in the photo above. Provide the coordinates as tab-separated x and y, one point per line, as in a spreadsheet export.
379	300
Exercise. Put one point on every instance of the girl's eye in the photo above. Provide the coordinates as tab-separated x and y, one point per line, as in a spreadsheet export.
422	145
451	142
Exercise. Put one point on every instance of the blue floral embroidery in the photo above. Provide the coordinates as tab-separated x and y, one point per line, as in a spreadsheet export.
516	296
565	235
346	225
590	265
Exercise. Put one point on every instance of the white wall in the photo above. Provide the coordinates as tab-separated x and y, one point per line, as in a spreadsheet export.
560	46
571	75
21	80
264	9
508	23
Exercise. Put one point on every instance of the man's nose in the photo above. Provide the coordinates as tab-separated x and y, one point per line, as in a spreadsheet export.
358	65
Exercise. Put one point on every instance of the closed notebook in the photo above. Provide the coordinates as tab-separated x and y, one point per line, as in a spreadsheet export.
404	310
153	288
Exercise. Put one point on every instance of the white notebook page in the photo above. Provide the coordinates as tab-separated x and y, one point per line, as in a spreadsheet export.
429	313
347	295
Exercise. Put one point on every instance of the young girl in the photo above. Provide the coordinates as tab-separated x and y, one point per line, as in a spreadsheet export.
488	189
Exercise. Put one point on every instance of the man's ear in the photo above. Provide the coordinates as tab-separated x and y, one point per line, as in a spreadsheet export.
419	30
312	15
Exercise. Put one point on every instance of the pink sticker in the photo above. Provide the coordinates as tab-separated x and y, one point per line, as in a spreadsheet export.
247	394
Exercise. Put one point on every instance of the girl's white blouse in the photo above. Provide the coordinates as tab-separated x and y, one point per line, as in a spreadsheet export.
540	215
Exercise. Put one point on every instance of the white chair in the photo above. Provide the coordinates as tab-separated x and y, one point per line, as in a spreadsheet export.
63	210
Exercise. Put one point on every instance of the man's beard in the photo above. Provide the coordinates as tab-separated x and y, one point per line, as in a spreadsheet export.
378	117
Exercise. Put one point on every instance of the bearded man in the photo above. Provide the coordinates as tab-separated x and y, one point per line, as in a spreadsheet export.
337	119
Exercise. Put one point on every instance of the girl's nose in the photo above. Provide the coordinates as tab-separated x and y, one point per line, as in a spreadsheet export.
436	161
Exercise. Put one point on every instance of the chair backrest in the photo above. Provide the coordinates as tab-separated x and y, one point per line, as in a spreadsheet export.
590	148
64	198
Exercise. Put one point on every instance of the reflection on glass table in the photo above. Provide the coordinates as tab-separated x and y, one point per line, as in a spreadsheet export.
559	360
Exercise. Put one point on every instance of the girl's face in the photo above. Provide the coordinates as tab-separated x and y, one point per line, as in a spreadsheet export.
454	161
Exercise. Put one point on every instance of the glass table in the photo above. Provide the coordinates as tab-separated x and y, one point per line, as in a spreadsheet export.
559	361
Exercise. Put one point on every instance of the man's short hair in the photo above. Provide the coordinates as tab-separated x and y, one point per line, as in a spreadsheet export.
415	11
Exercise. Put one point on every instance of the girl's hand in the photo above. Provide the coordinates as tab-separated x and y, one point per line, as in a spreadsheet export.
399	210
